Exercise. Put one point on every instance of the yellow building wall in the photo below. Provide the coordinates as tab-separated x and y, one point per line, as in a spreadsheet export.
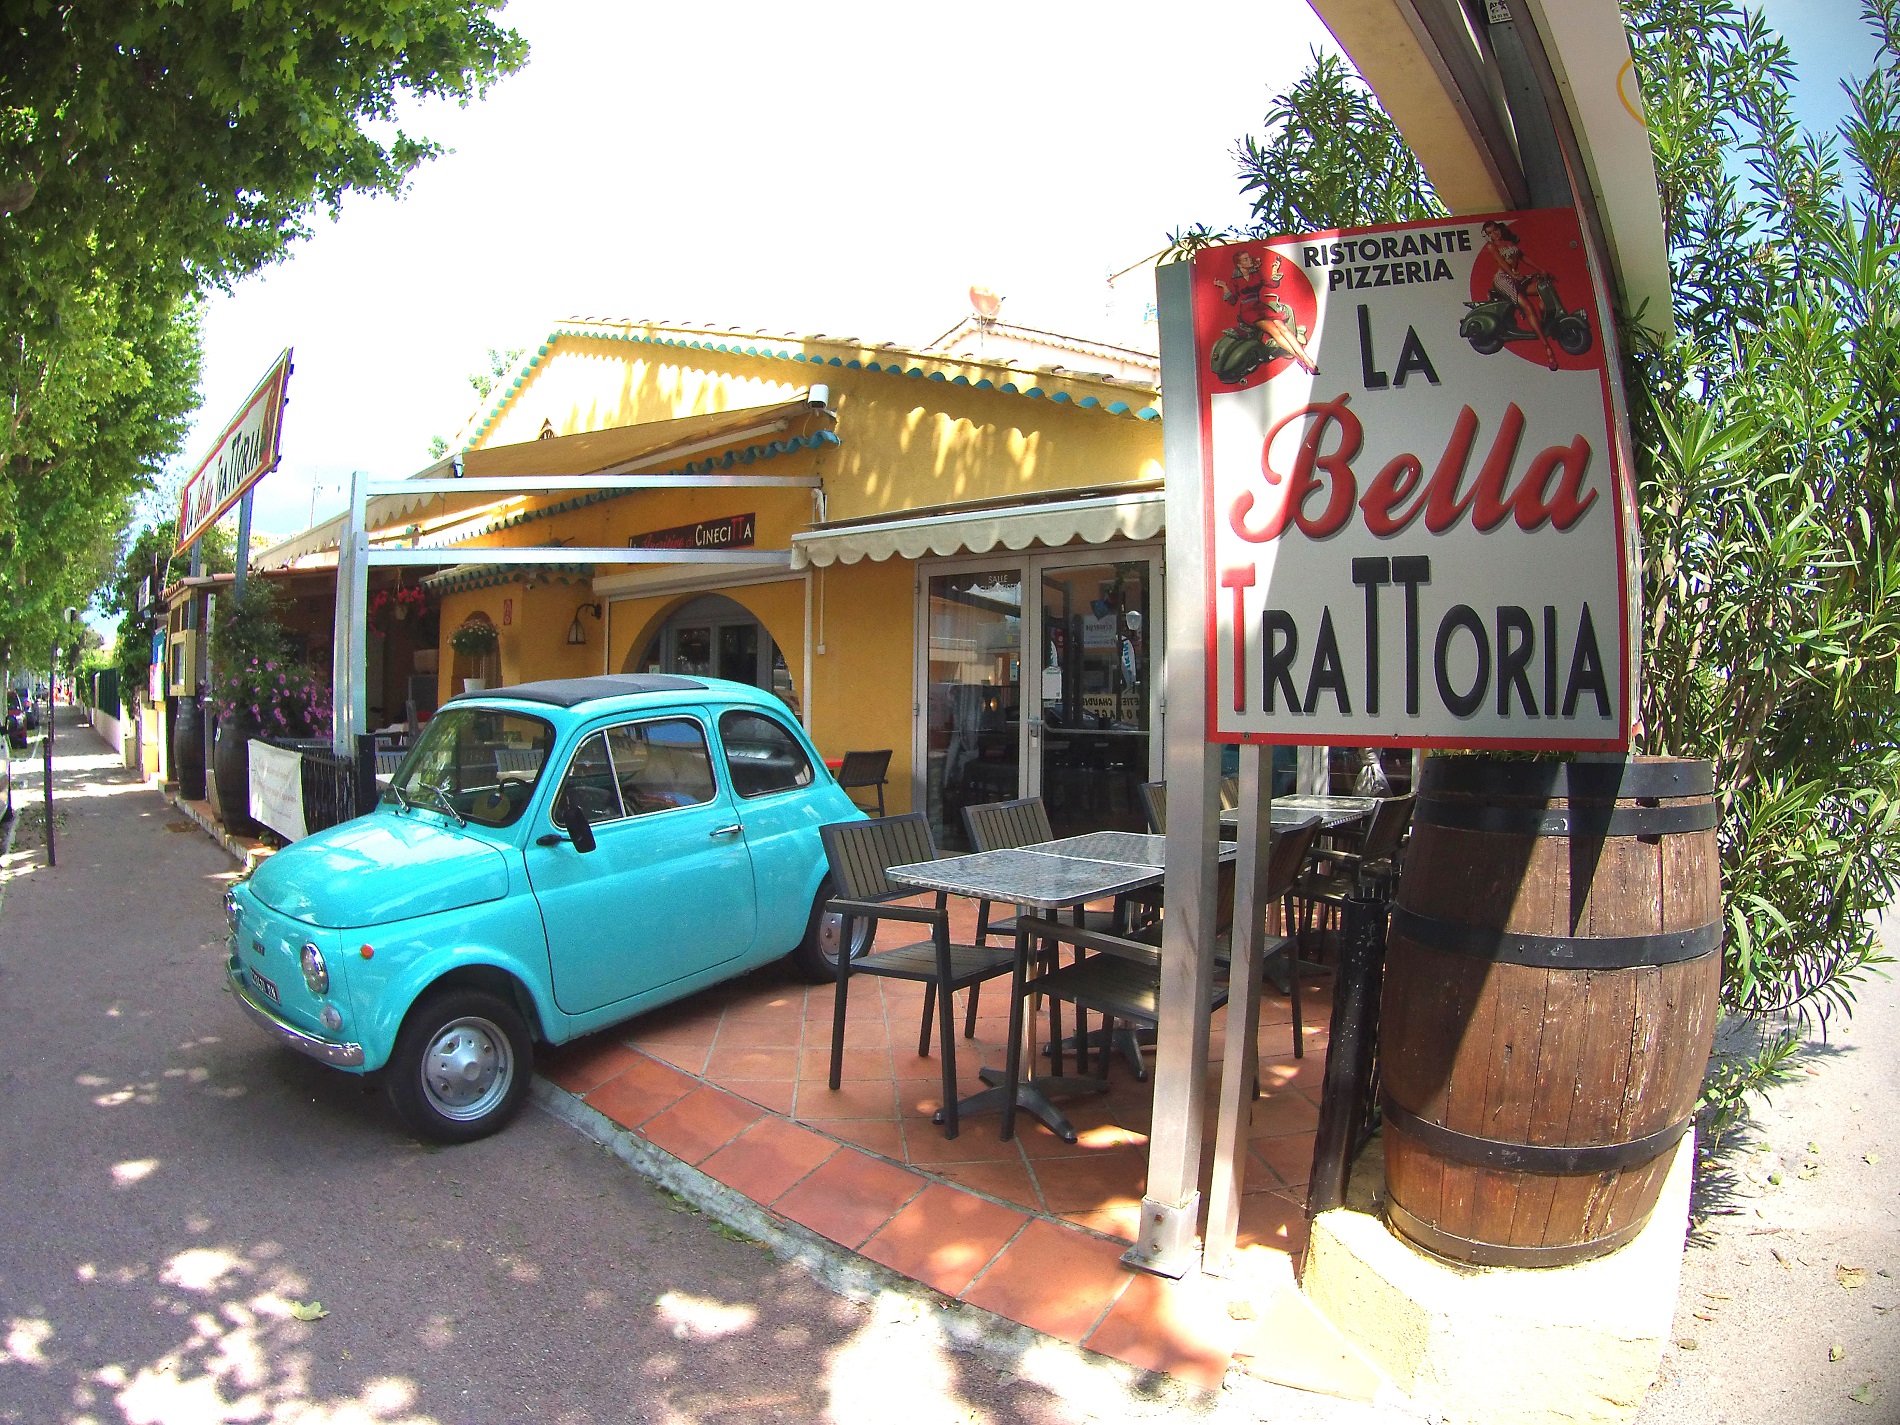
862	683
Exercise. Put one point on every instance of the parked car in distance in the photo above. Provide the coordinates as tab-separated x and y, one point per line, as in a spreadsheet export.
548	860
16	721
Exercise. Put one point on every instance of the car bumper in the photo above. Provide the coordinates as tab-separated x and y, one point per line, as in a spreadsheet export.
324	1051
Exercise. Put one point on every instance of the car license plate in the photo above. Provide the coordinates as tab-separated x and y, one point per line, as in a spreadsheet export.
269	990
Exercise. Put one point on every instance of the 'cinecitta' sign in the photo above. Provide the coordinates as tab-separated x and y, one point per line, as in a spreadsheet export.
1416	510
244	454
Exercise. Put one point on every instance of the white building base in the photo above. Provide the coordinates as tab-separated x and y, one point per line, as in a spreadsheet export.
1499	1345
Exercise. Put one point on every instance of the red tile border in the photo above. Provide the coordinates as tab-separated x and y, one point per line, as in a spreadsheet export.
705	1120
944	1237
849	1196
1054	1278
586	1064
1181	1328
768	1158
641	1090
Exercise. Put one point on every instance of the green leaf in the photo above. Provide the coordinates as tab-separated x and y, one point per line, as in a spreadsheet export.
308	1310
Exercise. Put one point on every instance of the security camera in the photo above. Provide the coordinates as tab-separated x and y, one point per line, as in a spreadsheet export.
818	396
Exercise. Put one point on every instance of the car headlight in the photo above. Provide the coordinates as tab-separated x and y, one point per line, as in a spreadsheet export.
316	974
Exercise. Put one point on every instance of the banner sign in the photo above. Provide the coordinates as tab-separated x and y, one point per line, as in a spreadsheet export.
733	532
244	454
1419	528
277	789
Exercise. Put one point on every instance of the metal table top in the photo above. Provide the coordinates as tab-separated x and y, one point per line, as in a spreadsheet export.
1051	875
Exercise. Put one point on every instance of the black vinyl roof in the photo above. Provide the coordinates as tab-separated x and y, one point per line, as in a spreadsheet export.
567	692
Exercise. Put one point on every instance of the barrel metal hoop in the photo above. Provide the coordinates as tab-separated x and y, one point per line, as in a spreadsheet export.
1591	781
1556	952
1492	1254
1572	821
1532	1157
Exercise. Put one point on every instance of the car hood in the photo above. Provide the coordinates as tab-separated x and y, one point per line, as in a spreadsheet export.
386	866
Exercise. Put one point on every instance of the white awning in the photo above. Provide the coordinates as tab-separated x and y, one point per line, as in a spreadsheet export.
1096	519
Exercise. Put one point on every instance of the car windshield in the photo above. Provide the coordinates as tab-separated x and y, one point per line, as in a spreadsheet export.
482	763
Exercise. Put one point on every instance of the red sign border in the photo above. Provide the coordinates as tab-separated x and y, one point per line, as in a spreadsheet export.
1624	505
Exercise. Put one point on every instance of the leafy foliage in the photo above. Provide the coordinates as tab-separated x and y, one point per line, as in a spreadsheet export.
1330	157
254	680
149	152
149	560
1768	448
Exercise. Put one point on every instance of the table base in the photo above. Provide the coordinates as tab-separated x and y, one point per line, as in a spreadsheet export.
1032	1096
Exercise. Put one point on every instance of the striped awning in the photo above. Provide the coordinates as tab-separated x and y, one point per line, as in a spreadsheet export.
486	576
1093	519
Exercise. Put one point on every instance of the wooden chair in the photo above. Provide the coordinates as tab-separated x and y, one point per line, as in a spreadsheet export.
866	769
1154	804
1286	863
860	852
1371	870
994	826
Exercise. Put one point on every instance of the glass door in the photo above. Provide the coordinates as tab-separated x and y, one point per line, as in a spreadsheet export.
1089	704
972	694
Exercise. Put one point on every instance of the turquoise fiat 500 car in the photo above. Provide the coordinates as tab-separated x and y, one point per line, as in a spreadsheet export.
549	859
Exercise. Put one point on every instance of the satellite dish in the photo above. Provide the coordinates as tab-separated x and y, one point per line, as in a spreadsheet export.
986	303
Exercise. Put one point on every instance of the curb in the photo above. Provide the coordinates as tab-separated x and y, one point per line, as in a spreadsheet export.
1004	1346
245	856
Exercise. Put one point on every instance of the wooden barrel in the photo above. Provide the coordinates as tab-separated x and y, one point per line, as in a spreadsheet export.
1550	998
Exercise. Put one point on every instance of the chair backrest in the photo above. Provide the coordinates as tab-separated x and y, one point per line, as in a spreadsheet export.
1288	858
1154	801
861	851
1229	793
865	769
997	825
1387	827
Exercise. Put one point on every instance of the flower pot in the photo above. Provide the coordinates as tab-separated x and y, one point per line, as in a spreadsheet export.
474	685
231	770
188	748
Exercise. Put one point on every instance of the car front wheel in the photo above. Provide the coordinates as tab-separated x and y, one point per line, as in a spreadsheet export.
461	1066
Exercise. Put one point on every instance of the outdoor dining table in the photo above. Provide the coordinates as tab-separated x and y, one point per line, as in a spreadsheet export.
1050	876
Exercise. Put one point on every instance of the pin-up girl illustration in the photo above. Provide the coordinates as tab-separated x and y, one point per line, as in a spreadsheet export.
1257	306
1516	281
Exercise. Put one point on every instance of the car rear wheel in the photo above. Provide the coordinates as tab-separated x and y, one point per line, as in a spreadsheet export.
461	1066
816	957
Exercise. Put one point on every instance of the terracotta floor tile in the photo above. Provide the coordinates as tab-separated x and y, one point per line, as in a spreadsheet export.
644	1088
868	1099
857	1062
688	1057
768	1158
1290	1155
774	1094
875	1135
1103	1179
666	1026
1007	1179
944	1237
976	1142
749	1061
918	1098
1271	1219
1286	1072
1054	1278
705	1120
1121	1221
849	1196
585	1064
777	1031
1275	1114
1181	1328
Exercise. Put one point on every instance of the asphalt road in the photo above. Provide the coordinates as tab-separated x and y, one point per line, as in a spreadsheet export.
172	1187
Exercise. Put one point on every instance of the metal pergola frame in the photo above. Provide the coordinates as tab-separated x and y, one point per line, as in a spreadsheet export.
357	555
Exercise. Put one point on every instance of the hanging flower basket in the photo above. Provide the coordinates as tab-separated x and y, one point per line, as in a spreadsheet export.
396	605
475	640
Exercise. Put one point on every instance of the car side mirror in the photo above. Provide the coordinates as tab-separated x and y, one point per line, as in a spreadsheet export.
579	832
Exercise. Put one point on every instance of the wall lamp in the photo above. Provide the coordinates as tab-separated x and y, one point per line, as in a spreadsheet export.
576	631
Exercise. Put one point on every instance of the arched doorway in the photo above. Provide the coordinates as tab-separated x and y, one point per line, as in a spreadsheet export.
713	636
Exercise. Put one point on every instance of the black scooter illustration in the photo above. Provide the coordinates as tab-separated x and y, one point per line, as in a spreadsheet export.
1490	324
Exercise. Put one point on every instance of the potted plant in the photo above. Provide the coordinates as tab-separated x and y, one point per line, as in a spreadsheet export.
256	690
476	639
403	603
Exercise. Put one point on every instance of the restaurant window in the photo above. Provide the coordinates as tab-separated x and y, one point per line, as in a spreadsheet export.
717	637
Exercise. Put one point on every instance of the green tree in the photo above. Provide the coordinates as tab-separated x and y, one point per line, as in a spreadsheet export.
148	560
1768	471
482	381
150	152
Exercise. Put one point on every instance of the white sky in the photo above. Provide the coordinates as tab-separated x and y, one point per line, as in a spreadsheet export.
850	168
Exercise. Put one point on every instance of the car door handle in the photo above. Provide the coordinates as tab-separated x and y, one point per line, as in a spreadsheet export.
732	830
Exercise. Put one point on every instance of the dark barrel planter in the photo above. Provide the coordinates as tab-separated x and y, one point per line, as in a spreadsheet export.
188	748
1550	998
231	767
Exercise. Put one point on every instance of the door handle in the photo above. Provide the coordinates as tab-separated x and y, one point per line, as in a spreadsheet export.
732	830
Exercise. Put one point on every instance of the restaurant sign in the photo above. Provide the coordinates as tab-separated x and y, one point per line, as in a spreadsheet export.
1418	521
243	455
733	532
